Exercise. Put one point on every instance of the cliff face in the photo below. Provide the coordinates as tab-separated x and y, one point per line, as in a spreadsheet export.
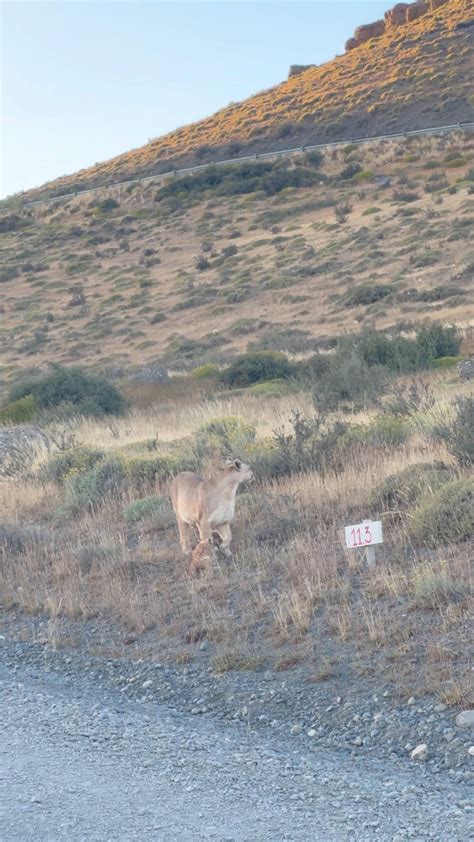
398	15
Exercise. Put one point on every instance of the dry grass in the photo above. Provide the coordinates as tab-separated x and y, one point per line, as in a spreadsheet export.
291	594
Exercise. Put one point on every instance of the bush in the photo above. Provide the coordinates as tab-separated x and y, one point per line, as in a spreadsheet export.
70	463
459	437
384	430
365	294
350	171
143	473
257	366
19	411
405	488
311	445
205	372
88	491
144	508
88	394
435	340
239	179
348	378
269	388
105	206
445	517
226	437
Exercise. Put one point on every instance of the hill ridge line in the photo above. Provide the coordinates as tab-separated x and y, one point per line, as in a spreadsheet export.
257	156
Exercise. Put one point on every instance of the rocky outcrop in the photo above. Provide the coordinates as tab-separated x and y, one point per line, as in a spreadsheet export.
398	15
296	69
417	10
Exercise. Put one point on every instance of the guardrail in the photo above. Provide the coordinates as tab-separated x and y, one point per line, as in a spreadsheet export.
259	156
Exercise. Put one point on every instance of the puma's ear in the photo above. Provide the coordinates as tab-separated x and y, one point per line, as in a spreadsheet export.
237	464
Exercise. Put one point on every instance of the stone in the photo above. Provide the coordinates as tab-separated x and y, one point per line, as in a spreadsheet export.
396	16
411	701
465	719
466	370
296	69
296	729
369	30
420	752
312	732
416	10
439	708
357	741
146	684
470	751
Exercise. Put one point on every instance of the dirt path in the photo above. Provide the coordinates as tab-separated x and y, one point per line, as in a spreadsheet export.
78	761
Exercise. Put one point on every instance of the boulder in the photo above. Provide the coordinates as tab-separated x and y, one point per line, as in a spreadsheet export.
296	69
19	447
350	44
466	370
396	16
416	10
369	30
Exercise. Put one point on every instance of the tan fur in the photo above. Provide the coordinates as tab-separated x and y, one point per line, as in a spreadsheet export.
202	558
208	504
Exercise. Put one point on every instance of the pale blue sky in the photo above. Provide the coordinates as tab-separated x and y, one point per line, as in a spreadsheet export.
84	81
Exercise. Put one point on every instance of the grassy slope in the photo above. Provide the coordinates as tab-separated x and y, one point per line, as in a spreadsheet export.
293	265
414	76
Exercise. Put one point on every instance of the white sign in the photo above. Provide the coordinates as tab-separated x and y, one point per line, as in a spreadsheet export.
364	534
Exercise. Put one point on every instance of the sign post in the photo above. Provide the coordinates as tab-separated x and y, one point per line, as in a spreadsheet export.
364	536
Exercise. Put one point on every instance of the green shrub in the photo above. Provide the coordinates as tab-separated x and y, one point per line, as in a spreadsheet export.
435	340
366	294
455	162
105	206
459	436
384	430
445	517
257	366
363	175
226	436
379	349
269	388
405	488
311	444
88	491
144	508
89	394
348	379
63	466
239	179
19	411
204	372
447	362
142	472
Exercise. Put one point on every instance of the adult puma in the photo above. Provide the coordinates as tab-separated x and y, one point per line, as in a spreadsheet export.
208	504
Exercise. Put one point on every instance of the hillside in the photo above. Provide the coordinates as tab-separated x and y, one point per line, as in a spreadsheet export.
403	73
379	235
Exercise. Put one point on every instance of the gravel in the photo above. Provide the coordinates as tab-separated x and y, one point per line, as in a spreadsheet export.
88	752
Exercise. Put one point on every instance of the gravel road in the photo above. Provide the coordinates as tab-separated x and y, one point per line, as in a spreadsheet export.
81	761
